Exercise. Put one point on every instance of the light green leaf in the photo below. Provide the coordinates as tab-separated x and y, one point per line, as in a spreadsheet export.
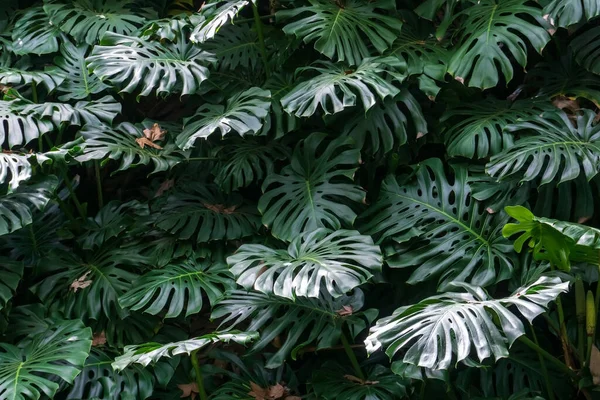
147	353
342	32
244	113
58	353
336	87
442	330
319	260
314	191
177	286
134	64
490	30
431	221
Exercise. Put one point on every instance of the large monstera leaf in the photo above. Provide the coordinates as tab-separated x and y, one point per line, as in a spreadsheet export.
89	286
490	30
34	34
442	330
480	129
343	31
387	124
301	322
11	272
88	20
94	113
135	64
81	83
334	381
215	17
99	381
17	128
103	142
14	169
244	113
147	353
558	242
16	209
317	261
337	87
178	286
243	161
314	191
235	46
586	49
559	150
432	222
564	13
201	212
31	368
20	77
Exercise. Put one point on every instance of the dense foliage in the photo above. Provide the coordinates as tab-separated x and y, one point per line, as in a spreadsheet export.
299	199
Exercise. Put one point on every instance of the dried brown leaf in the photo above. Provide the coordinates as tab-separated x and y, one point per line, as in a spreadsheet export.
345	311
257	392
143	142
99	339
355	379
81	282
155	133
276	392
595	365
220	208
166	185
188	390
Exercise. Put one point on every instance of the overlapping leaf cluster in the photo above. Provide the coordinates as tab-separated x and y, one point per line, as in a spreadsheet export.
246	191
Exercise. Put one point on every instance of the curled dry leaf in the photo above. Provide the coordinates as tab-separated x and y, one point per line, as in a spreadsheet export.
81	282
151	135
188	390
220	208
143	142
99	339
345	311
275	392
355	379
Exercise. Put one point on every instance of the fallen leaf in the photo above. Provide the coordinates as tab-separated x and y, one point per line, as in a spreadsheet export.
257	392
155	133
345	311
220	208
565	103
276	392
188	390
595	365
355	379
144	141
81	282
99	339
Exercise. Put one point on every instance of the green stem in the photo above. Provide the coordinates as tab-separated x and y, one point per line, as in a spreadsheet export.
564	338
544	369
98	184
352	357
65	209
244	20
34	93
73	195
261	39
555	361
199	379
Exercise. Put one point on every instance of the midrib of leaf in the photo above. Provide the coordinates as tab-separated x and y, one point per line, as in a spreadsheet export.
17	379
198	273
312	203
231	49
334	23
489	27
84	76
450	217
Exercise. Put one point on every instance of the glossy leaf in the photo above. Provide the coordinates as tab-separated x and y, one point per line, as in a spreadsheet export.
564	12
14	169
11	272
33	33
215	17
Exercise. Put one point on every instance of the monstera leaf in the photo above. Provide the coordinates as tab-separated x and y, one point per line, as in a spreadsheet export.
317	261
334	381
17	128
442	330
491	28
152	352
569	12
301	322
177	286
11	272
434	223
235	46
89	286
99	381
16	209
134	64
336	87
121	143
556	241
558	150
314	191
481	130
94	113
343	32
243	161
14	169
387	124
214	18
586	48
81	83
34	34
18	77
31	369
244	113
202	212
88	20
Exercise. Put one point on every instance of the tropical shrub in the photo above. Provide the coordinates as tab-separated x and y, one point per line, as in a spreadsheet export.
299	199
